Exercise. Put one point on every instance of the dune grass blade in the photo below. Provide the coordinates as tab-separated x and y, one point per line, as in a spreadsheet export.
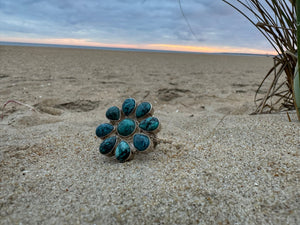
297	75
298	32
276	20
16	102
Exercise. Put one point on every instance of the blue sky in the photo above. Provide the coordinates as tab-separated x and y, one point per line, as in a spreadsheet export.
152	24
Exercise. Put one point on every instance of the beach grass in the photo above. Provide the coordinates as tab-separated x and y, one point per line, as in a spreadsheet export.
297	75
276	20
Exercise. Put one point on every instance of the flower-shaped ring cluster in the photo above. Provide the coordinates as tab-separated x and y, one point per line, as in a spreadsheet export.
130	130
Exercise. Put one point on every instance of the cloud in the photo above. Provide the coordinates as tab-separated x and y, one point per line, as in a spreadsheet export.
130	22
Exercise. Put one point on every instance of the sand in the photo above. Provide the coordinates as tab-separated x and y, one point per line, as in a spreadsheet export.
214	163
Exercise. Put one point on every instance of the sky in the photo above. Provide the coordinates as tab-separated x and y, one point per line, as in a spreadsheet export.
142	24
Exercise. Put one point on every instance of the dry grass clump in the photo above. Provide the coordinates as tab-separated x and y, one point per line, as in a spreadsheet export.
276	20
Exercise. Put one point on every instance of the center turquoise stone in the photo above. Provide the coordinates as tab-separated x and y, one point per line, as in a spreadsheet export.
126	127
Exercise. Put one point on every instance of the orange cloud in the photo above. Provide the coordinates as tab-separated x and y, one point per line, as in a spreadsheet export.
66	41
209	49
169	47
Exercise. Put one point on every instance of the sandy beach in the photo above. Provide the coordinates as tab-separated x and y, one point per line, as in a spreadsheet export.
214	162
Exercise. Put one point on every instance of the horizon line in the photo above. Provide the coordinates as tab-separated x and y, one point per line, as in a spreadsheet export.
148	48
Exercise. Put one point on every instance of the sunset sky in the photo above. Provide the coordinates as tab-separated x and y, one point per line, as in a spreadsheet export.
144	24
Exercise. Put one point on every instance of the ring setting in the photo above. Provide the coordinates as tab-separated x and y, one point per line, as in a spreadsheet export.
130	130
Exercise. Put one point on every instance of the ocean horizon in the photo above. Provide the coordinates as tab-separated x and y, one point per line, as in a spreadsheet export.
6	43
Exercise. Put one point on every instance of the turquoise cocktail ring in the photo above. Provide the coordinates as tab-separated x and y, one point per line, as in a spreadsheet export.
130	130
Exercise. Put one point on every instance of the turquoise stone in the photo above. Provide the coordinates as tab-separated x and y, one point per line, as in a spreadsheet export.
149	124
122	151
108	145
104	129
143	109
128	106
141	142
113	113
126	127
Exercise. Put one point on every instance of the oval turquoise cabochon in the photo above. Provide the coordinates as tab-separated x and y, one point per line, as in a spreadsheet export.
108	145
149	124
142	109
122	151
126	127
128	106
104	129
113	113
141	142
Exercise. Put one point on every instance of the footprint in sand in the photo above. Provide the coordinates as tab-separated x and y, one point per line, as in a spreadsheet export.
168	94
49	108
79	105
55	107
